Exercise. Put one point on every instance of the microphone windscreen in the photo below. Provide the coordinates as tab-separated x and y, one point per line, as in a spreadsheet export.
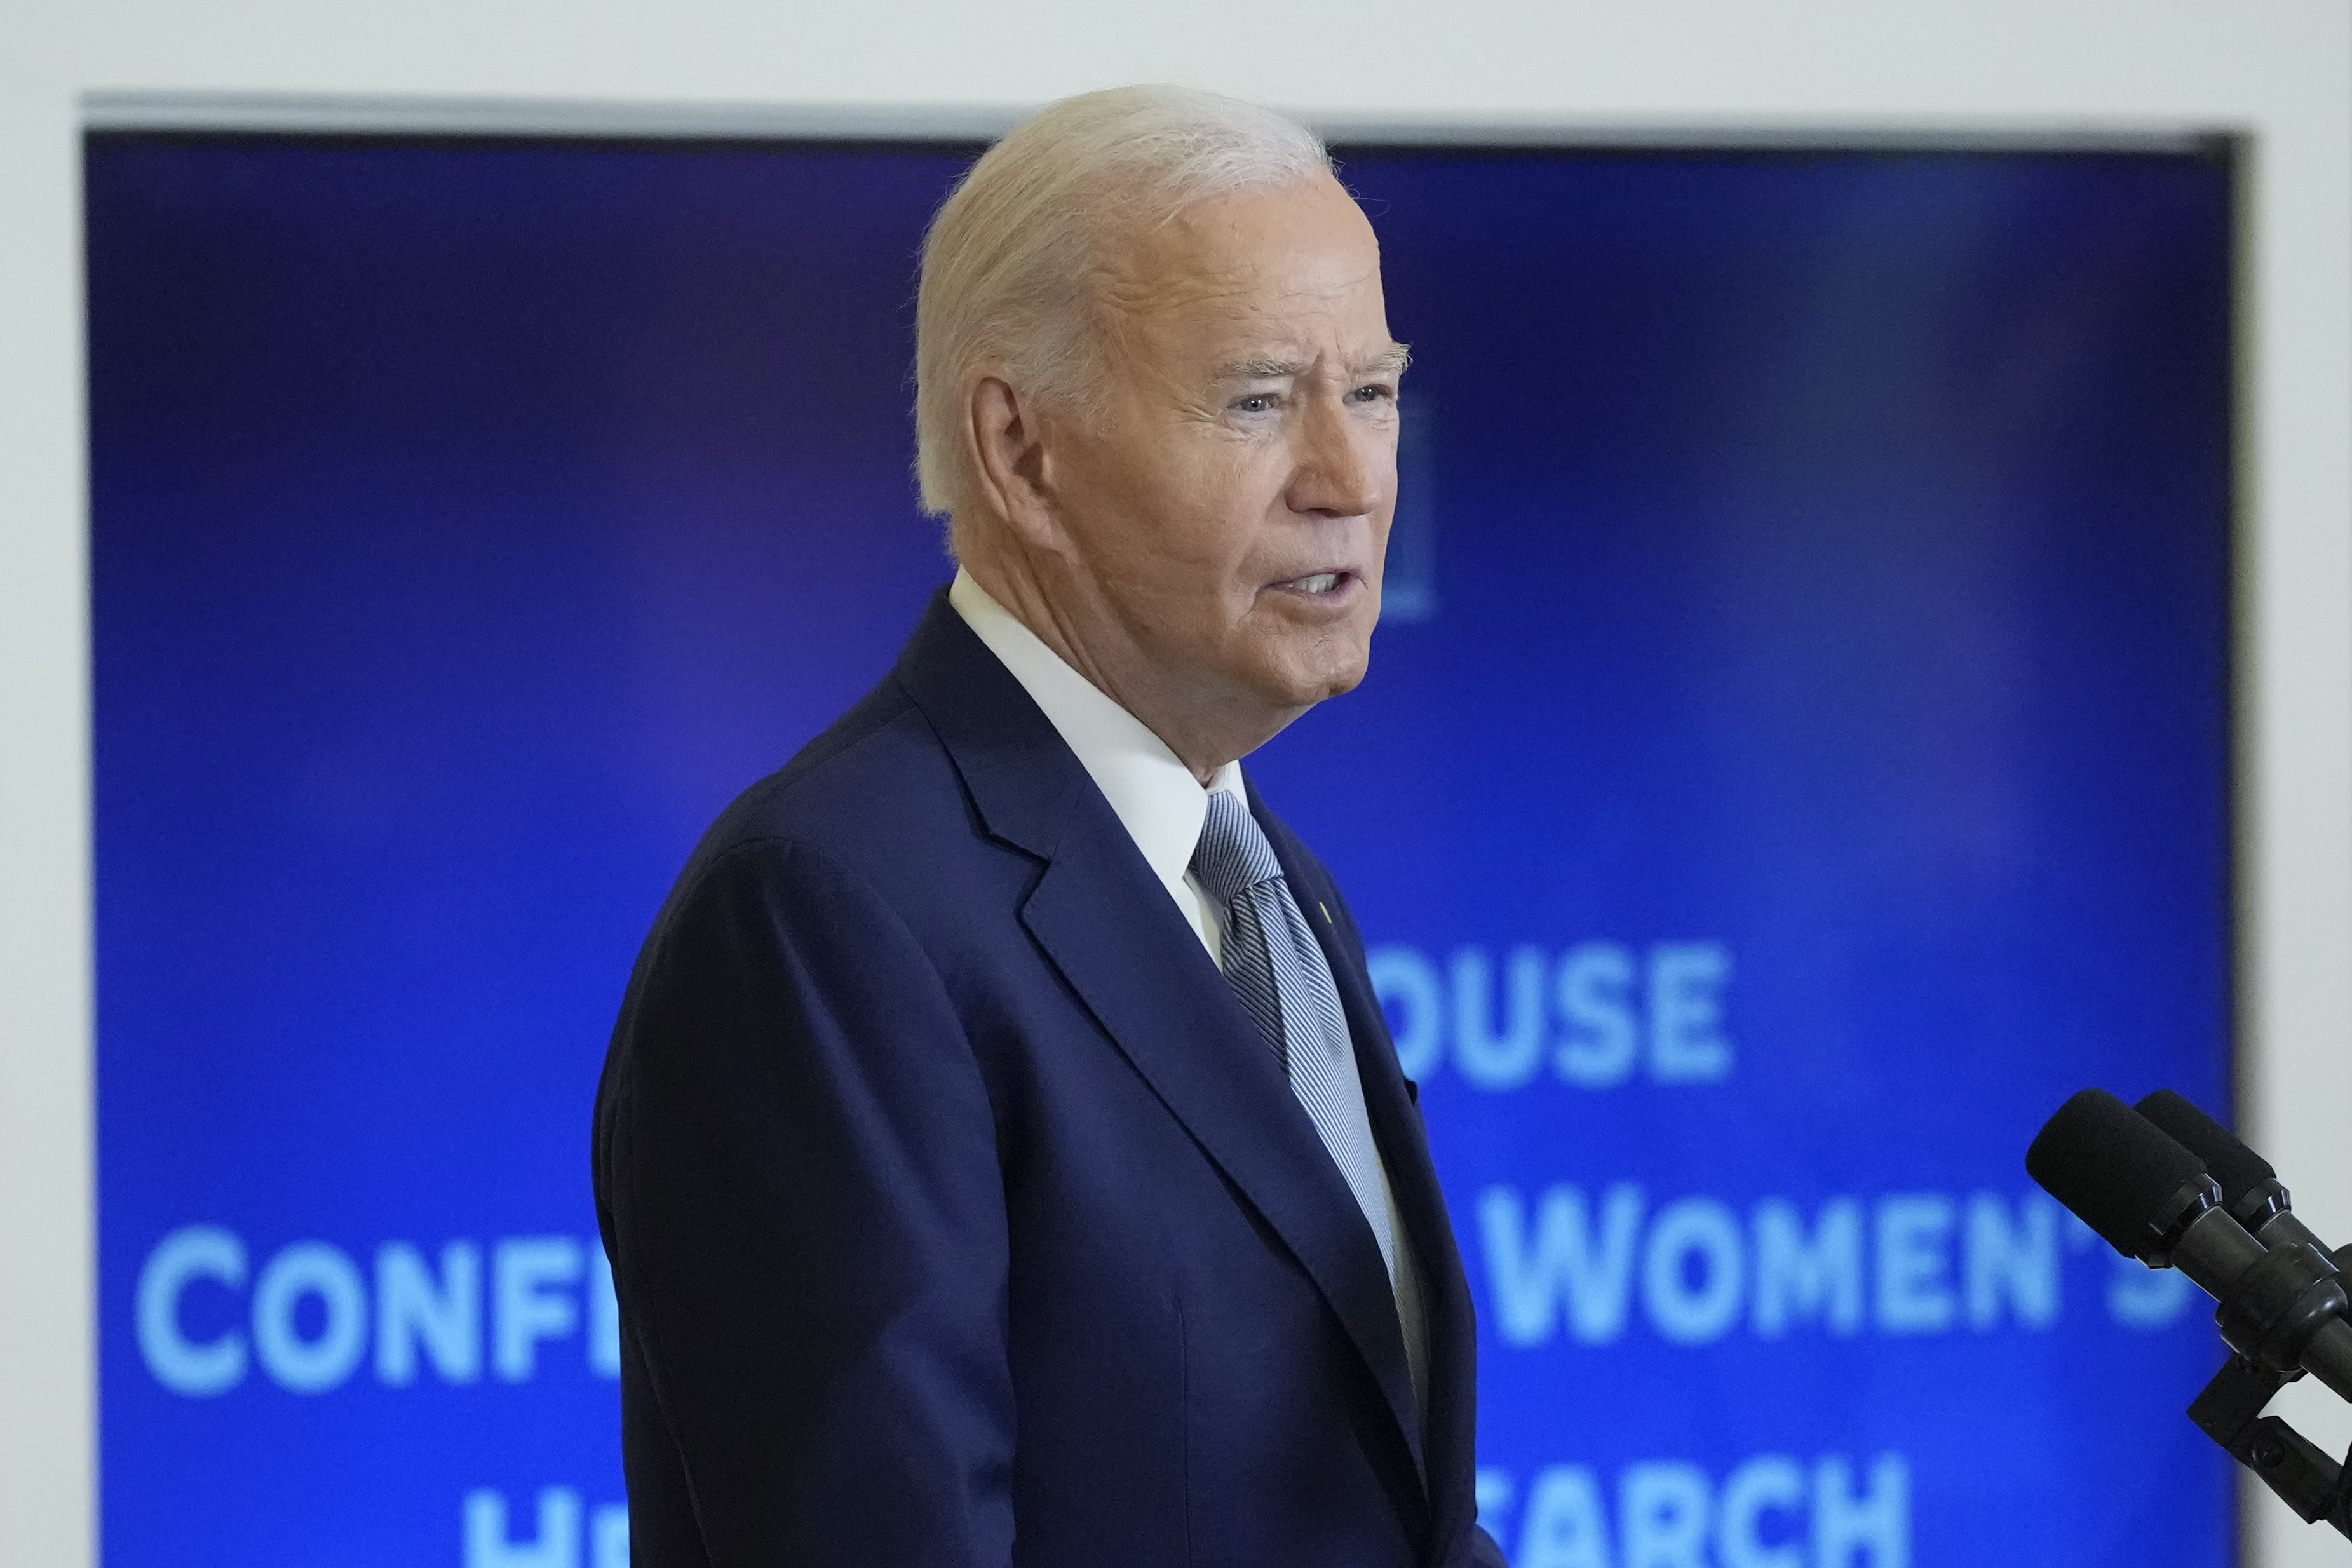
2112	1166
2227	1160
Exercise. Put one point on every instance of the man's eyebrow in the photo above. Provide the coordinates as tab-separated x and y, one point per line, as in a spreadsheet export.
1261	370
1390	361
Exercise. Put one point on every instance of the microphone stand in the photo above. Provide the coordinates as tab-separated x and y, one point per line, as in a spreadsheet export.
2292	1466
2263	1316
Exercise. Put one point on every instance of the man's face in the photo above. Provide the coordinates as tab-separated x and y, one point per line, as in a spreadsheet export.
1228	495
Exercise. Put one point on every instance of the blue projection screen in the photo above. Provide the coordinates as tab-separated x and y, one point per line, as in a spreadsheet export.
1794	759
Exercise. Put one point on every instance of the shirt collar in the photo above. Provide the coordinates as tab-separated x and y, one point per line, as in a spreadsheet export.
1154	795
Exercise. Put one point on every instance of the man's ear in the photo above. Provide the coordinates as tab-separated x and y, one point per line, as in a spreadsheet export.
1003	437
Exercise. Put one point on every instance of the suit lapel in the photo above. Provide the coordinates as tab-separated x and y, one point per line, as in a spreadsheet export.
1178	1023
1108	924
1413	1177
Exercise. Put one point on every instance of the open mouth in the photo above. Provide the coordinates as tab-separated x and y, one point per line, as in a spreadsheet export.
1319	582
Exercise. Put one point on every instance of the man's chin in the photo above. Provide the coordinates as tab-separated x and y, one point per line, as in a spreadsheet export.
1302	686
1342	682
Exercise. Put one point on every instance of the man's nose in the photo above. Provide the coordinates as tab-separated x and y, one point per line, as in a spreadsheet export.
1343	463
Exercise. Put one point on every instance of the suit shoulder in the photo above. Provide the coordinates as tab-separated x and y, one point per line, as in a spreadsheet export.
876	793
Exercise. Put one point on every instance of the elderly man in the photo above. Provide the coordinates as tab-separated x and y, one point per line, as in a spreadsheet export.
1001	1154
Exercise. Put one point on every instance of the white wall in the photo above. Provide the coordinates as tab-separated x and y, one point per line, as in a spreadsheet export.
2277	70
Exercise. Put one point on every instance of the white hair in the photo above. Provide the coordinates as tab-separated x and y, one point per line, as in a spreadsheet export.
1010	262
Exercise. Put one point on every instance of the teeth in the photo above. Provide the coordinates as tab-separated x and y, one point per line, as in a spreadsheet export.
1321	582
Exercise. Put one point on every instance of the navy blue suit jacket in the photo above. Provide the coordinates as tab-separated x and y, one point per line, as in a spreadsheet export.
957	1213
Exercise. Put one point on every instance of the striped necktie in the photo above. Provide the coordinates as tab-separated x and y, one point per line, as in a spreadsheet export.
1278	971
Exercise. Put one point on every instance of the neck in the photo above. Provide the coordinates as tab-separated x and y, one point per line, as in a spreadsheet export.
1204	728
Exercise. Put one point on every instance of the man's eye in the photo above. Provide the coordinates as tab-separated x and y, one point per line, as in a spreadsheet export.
1255	403
1373	393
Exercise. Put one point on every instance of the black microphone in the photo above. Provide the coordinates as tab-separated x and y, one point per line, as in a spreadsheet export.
2250	1189
2150	1198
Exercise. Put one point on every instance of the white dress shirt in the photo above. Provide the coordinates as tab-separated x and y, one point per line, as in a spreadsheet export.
1162	807
1154	795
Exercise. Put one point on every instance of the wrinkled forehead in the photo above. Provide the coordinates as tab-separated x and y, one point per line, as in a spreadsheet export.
1300	257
